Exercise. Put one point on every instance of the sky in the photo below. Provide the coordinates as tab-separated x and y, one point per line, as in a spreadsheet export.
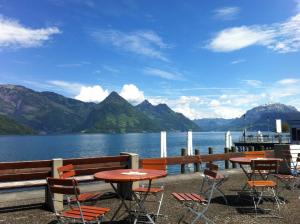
205	59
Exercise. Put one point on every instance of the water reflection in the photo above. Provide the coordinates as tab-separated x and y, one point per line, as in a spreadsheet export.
14	148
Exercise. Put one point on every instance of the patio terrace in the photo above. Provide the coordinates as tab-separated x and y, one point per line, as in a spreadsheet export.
12	211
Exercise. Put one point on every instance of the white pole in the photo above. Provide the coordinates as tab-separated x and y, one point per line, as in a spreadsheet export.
278	126
226	139
163	144
190	143
230	140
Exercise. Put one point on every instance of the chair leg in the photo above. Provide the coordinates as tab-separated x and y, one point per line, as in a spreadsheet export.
159	205
276	200
222	195
202	185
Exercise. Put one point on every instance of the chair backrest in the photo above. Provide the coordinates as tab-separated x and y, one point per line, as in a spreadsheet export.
66	171
212	166
63	186
264	166
212	174
255	154
155	164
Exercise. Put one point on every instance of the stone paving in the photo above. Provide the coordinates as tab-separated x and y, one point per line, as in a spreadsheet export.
237	211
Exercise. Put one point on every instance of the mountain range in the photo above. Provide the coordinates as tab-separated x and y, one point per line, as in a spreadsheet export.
51	113
258	118
25	111
10	127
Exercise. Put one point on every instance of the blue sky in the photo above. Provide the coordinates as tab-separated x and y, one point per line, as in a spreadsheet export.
202	58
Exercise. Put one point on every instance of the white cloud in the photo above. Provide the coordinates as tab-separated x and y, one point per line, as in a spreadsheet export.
146	43
227	13
187	105
238	61
163	74
110	69
280	37
297	5
92	94
132	94
288	81
81	92
228	112
253	82
235	38
13	34
69	87
73	65
214	103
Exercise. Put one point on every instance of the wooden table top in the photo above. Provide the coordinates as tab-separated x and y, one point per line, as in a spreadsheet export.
129	175
247	160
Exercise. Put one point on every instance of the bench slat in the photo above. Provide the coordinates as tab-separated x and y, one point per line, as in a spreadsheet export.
92	160
25	164
24	176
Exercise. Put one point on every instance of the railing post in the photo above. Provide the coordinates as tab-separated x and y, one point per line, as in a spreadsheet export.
226	162
57	204
183	153
233	149
125	189
210	150
197	165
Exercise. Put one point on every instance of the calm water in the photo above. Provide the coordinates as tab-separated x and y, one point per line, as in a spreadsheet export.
16	148
20	148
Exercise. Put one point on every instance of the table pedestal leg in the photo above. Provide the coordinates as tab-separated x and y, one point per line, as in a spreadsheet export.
140	203
127	209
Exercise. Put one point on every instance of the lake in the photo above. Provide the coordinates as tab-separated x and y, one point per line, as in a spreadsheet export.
20	148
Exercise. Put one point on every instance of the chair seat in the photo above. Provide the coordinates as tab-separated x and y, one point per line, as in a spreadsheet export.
285	176
219	176
89	212
189	197
145	189
87	197
261	183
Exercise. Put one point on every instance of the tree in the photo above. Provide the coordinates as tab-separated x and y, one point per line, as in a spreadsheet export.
285	127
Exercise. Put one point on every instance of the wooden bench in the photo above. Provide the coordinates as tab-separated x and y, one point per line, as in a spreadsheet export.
33	174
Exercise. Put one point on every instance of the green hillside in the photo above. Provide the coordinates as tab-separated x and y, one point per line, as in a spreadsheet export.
167	118
10	127
116	115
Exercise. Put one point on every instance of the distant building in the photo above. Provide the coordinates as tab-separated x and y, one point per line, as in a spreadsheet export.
294	126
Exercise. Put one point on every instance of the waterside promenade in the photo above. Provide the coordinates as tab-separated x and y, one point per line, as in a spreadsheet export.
237	211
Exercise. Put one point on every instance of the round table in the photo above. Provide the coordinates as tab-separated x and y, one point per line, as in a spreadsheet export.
247	160
128	176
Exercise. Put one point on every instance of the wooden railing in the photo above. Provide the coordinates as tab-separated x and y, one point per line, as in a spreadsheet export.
29	170
90	166
208	158
37	170
24	174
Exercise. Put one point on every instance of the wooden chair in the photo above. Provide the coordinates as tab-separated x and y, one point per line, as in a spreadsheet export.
67	172
255	154
259	187
197	204
74	213
156	192
209	180
292	180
